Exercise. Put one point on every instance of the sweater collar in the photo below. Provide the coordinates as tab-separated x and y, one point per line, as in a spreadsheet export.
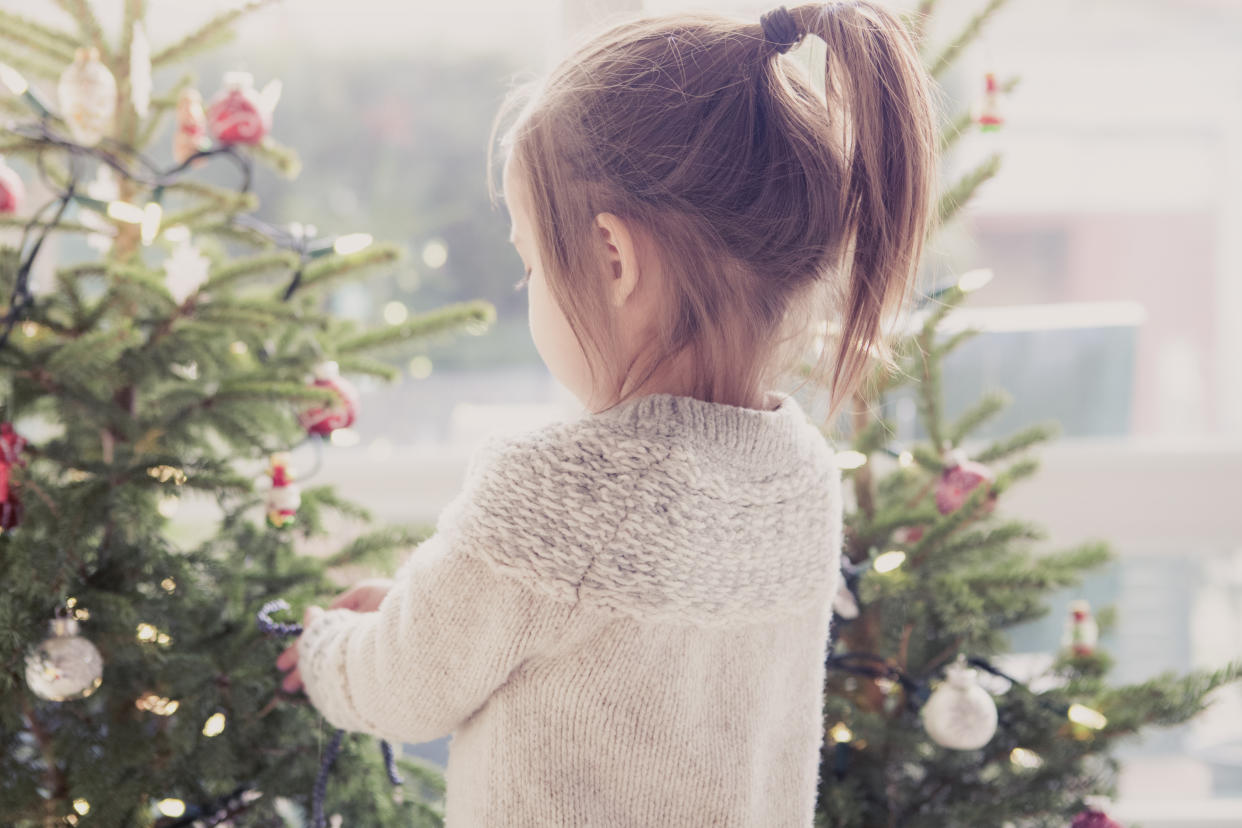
712	427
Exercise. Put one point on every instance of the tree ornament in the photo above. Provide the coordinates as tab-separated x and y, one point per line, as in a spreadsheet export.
87	93
960	714
191	133
185	270
989	117
65	665
1081	630
240	115
958	480
1093	815
845	604
340	414
907	535
283	496
12	190
11	446
140	70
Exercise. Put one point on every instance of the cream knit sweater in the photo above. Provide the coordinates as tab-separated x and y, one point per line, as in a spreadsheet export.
622	619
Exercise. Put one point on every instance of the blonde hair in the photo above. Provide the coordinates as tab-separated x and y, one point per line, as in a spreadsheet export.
771	209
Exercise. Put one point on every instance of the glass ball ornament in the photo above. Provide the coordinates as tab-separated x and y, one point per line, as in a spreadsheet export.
960	714
65	665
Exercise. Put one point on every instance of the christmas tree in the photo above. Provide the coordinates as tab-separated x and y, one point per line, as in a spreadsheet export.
933	574
185	361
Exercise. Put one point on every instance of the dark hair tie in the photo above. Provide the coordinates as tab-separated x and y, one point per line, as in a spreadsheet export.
780	29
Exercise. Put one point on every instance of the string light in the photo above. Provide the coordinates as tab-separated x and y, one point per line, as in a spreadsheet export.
974	279
888	561
166	473
171	807
214	725
18	86
82	806
1024	758
1085	716
151	633
840	733
850	459
352	243
159	705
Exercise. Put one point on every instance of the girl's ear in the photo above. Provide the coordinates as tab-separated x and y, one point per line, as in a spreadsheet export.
619	252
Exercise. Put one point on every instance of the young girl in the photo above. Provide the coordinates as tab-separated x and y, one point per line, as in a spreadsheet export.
623	619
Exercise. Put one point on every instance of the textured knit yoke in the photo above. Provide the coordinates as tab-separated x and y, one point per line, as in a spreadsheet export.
665	508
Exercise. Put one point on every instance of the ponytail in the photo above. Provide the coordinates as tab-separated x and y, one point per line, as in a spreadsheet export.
879	96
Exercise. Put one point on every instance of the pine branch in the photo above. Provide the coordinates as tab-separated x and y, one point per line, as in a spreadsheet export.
956	197
431	324
368	367
283	159
333	268
964	38
374	546
51	44
88	23
1027	437
986	407
238	269
1164	700
30	66
193	216
213	33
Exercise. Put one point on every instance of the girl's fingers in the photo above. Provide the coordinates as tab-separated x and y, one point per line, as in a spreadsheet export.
292	682
346	600
289	657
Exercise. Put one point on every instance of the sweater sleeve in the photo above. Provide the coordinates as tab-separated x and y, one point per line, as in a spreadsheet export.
449	633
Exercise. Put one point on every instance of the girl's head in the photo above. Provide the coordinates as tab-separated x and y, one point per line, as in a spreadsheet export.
695	214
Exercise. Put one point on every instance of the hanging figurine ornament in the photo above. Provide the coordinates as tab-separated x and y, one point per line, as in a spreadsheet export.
284	496
12	190
989	118
323	420
11	446
1081	630
191	133
185	270
140	70
240	115
958	480
960	714
65	665
1094	816
87	93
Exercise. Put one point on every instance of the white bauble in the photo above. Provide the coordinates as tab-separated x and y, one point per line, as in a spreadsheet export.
65	666
960	714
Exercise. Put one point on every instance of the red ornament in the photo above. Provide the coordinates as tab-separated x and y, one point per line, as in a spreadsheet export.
284	497
11	445
238	114
324	420
1091	818
958	480
989	119
191	134
907	534
12	190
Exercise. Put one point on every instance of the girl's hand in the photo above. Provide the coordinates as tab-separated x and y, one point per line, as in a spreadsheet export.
364	596
289	658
